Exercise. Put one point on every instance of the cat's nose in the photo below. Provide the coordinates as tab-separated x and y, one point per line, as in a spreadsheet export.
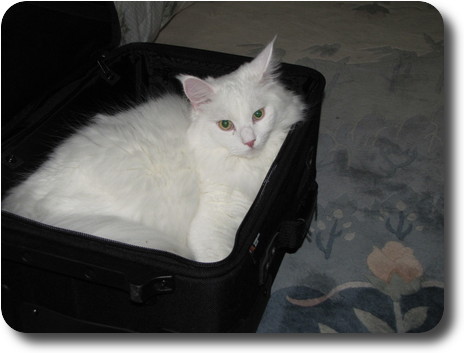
248	136
250	143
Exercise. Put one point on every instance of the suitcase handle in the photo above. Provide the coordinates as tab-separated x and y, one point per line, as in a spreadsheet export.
290	234
288	238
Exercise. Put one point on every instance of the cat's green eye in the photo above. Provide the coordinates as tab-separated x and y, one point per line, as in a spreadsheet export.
258	115
225	125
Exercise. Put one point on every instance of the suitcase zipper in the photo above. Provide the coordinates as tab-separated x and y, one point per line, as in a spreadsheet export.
45	226
108	75
120	244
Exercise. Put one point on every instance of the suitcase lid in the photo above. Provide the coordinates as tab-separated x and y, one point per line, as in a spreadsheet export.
46	45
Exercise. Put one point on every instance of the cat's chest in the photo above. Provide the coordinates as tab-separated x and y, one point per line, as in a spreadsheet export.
233	174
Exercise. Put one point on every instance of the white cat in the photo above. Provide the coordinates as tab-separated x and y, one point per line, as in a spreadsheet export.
169	174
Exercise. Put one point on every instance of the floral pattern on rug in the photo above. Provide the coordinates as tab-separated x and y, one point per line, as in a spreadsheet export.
395	298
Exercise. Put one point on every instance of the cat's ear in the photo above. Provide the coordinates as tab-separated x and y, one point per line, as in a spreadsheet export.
263	65
197	90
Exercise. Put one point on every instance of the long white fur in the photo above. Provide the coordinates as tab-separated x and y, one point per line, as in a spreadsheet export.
164	175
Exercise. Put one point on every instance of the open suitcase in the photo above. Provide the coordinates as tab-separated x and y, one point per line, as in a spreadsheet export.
54	280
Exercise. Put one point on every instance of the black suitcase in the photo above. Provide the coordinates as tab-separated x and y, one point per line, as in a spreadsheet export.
54	280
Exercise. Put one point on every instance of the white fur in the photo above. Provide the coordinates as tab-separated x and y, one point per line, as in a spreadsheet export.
164	175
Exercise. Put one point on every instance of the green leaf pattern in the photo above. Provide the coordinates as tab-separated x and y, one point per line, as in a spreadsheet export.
372	323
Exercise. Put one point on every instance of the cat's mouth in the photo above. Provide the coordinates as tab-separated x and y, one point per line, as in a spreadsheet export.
250	150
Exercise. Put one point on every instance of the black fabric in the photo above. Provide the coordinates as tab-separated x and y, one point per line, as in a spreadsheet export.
45	44
291	235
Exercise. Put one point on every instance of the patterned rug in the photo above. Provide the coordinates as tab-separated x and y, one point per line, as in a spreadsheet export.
375	262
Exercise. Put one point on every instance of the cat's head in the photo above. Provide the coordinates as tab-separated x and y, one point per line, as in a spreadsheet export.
240	110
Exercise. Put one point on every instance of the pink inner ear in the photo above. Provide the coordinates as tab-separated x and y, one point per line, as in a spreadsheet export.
197	90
